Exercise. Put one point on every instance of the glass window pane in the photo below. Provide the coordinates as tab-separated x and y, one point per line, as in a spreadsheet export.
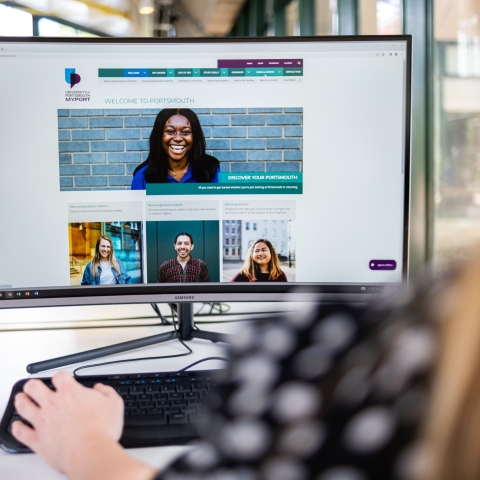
50	28
292	20
326	17
15	23
381	17
457	129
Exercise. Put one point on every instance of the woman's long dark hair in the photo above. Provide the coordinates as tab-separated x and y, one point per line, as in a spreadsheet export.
204	167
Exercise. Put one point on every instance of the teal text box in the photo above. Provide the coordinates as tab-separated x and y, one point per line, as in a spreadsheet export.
157	72
183	72
209	72
264	72
293	72
236	72
223	189
255	177
111	72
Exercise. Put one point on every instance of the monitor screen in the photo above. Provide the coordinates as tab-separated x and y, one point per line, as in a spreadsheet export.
142	170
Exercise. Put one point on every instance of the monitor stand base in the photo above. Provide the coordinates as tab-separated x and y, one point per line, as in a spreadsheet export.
186	331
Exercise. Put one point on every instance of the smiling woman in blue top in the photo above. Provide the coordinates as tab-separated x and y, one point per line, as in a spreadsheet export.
105	268
177	152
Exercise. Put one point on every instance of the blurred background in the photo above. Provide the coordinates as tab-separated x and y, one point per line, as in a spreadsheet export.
445	197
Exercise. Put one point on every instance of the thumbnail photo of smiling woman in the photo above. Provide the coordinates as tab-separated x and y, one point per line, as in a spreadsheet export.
259	250
261	264
105	268
105	253
177	152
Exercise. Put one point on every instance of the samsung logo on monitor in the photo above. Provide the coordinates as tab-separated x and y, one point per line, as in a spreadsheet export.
184	297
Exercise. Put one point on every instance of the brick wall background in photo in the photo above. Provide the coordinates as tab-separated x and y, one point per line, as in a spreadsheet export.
99	149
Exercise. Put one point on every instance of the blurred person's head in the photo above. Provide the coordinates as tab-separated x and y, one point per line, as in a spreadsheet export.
452	429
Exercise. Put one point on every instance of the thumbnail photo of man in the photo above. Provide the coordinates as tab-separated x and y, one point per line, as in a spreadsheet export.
183	268
180	251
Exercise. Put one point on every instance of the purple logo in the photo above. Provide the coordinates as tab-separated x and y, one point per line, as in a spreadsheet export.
71	77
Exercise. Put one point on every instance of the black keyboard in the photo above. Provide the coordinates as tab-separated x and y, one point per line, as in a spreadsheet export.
160	408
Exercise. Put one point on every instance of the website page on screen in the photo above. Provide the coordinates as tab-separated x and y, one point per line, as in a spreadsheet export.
304	150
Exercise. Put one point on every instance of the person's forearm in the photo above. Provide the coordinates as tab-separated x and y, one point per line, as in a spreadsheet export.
101	459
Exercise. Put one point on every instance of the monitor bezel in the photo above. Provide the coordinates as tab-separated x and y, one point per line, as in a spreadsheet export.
198	292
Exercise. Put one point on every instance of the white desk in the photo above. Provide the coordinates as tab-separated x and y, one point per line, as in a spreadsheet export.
18	348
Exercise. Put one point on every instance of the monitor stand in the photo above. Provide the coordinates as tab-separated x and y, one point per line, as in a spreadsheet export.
186	331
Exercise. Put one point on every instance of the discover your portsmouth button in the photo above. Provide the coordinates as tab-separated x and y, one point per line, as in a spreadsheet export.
383	264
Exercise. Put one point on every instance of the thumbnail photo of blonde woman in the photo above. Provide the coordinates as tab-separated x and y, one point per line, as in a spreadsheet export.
105	268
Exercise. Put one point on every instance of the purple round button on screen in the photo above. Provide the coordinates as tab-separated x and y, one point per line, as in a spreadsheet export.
383	264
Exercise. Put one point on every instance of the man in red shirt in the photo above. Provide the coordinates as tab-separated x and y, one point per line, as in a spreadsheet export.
183	268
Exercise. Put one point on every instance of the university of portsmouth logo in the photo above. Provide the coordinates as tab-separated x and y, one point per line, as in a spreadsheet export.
71	77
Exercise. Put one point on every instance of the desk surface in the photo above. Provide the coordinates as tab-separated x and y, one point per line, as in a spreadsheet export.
18	348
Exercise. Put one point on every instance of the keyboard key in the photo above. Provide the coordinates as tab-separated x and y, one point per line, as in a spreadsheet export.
136	389
167	388
199	386
183	388
138	411
145	420
175	396
178	418
144	397
160	396
152	388
153	411
172	410
121	390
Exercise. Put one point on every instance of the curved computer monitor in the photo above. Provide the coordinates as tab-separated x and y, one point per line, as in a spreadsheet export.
183	170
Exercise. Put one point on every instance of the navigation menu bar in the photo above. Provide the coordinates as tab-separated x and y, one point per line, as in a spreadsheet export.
238	71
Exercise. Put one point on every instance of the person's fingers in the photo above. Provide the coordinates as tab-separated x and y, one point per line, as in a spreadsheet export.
106	390
26	408
37	391
24	434
64	380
